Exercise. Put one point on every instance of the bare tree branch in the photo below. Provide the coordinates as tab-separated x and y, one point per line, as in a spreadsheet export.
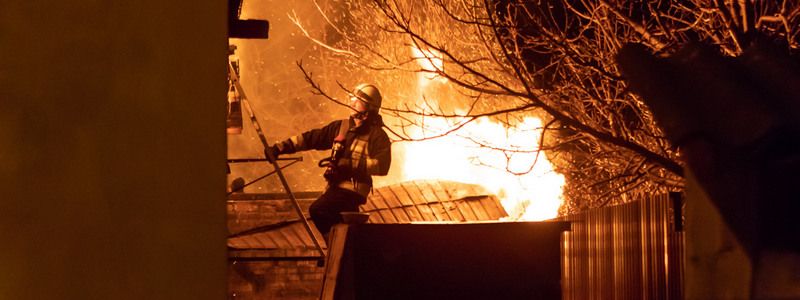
551	59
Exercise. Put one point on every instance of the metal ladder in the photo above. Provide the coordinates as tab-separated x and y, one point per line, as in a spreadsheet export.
234	78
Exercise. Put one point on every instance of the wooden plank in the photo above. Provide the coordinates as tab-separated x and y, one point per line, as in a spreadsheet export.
451	207
368	206
272	253
401	195
289	237
375	217
445	189
292	237
383	211
465	210
236	243
414	192
477	190
416	196
422	190
489	209
387	216
414	215
389	203
388	196
377	200
499	205
427	191
300	196
427	213
247	242
262	240
254	241
333	261
300	231
440	191
401	215
396	207
435	201
458	190
480	213
279	239
408	206
490	205
439	212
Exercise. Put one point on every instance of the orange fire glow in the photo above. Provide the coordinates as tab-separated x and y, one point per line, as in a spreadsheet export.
534	195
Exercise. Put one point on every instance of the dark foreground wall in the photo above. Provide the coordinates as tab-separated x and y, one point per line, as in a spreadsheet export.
112	149
447	261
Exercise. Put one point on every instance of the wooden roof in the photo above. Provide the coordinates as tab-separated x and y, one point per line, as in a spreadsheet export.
432	201
407	202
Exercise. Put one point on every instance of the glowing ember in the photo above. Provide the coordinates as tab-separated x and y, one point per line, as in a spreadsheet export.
534	194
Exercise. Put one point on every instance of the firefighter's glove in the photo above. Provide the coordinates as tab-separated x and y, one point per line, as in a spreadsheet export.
341	171
344	164
272	152
344	168
330	174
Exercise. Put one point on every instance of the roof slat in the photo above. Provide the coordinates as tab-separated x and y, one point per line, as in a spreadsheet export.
480	213
440	192
435	201
387	216
414	192
465	210
420	200
453	211
439	212
427	191
391	201
427	213
377	200
400	215
414	214
401	195
488	205
261	240
292	236
368	205
236	243
381	207
300	231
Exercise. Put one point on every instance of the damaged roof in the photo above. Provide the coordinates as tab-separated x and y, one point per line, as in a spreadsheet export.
276	232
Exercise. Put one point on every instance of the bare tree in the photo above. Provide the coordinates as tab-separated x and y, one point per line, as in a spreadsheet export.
504	59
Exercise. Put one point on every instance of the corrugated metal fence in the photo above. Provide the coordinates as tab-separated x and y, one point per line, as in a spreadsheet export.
628	251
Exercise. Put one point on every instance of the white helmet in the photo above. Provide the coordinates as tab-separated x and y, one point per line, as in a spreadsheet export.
369	94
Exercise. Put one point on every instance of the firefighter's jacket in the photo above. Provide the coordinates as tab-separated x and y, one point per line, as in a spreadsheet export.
367	151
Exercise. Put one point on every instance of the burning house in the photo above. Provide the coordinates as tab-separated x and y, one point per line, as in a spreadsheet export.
455	160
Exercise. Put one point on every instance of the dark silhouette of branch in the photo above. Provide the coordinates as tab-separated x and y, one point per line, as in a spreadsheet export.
552	59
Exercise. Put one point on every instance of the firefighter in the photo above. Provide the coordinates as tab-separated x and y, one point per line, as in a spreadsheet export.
359	149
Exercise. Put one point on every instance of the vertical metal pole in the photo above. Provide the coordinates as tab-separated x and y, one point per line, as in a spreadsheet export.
272	160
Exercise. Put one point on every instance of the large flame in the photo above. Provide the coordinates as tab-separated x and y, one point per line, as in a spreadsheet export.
430	61
533	193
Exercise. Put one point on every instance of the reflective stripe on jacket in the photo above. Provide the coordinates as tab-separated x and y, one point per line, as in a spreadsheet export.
367	147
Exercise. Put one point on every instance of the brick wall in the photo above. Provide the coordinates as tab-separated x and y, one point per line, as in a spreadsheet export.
286	280
246	211
276	276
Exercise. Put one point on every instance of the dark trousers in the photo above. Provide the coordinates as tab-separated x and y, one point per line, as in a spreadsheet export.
325	211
